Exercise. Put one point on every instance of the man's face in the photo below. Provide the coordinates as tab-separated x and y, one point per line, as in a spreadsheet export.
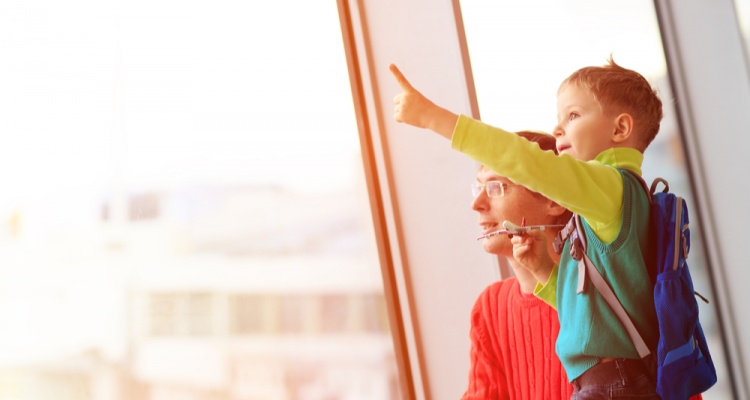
517	203
583	130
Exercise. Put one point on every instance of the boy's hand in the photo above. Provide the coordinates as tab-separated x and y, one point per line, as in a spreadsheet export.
411	107
530	249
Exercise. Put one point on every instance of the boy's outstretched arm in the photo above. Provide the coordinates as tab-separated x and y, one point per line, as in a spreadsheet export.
411	107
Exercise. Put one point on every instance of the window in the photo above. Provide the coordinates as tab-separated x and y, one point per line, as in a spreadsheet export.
163	309
375	313
336	313
742	8
183	187
295	315
248	314
181	314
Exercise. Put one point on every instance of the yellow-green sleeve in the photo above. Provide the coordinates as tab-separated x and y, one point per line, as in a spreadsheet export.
548	291
593	189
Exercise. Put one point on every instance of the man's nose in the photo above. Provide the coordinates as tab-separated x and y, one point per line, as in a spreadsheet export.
480	201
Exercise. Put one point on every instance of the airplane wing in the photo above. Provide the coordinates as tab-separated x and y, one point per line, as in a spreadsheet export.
513	229
495	233
519	230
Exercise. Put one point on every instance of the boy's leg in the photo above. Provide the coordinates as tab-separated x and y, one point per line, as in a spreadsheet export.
617	379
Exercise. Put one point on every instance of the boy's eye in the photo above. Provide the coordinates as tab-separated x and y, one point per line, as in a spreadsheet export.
573	116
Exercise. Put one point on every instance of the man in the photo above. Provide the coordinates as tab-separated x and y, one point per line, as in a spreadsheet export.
513	332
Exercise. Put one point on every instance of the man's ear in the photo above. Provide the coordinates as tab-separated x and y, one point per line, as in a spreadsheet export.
554	209
623	128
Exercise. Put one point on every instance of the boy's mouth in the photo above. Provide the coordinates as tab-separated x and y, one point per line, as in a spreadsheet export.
562	148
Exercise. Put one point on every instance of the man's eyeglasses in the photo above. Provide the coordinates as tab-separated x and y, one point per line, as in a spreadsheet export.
493	188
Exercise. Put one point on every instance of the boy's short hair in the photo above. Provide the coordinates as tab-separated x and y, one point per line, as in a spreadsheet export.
618	88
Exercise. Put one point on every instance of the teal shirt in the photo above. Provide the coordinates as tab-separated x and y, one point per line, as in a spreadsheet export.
589	329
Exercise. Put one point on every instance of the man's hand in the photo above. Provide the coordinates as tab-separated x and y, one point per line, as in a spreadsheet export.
411	107
530	250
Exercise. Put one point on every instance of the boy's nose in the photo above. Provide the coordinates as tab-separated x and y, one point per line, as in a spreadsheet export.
558	131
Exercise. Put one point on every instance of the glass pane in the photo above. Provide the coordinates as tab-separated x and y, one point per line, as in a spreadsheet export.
163	311
742	8
184	212
521	52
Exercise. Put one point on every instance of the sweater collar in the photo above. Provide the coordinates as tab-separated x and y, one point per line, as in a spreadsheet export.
622	157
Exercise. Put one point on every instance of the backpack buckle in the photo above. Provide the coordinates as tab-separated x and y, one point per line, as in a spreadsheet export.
576	247
559	243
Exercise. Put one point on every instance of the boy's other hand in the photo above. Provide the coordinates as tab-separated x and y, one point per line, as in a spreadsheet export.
413	108
530	249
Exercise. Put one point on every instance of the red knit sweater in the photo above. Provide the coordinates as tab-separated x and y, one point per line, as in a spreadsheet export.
513	347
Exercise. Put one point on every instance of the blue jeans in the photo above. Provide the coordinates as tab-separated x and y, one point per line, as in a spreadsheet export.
618	379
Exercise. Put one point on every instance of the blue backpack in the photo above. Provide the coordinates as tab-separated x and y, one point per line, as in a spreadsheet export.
683	364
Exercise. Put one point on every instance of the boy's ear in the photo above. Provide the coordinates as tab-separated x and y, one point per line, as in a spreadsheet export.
623	128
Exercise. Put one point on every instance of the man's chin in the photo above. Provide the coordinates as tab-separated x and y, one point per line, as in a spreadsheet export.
498	246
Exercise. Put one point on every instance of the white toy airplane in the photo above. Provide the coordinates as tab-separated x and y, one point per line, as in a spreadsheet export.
513	229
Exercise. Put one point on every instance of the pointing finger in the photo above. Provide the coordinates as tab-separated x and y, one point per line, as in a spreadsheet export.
400	78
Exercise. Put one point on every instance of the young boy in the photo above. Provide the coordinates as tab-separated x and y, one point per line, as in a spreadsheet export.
513	332
607	116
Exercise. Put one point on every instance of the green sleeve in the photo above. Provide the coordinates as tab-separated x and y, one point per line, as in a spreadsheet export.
590	188
548	291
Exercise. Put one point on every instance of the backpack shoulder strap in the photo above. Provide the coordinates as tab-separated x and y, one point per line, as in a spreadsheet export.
607	293
678	230
652	189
